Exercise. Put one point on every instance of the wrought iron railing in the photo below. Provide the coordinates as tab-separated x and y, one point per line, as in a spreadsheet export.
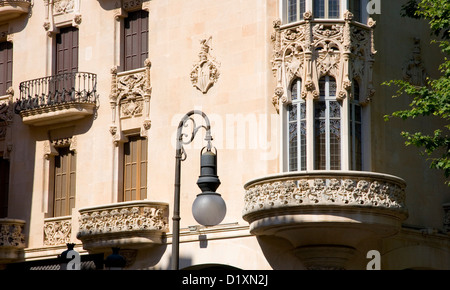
66	88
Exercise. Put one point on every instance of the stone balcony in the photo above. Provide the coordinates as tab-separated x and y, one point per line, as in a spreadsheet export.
12	240
128	225
11	9
59	98
325	214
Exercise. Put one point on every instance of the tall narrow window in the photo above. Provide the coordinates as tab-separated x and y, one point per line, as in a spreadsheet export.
294	10
355	129
4	187
327	127
64	182
135	169
355	8
296	120
66	54
135	46
326	9
6	54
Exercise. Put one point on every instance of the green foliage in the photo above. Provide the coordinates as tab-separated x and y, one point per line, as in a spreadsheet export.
433	99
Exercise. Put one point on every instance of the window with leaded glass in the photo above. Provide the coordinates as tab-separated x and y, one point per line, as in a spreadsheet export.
355	129
294	10
296	120
327	127
326	9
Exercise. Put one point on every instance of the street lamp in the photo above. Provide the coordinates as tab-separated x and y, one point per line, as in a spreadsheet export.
208	208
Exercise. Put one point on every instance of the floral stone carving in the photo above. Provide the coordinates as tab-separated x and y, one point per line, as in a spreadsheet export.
123	223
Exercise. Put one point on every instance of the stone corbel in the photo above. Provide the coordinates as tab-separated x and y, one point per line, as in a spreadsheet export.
49	150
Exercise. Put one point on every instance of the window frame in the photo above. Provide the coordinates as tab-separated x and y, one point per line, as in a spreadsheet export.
140	185
356	162
142	16
6	66
326	9
300	9
300	124
71	181
327	98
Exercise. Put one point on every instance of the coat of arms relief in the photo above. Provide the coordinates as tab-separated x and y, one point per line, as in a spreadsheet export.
206	71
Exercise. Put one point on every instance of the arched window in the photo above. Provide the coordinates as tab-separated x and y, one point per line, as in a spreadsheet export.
326	9
294	10
296	124
327	127
355	129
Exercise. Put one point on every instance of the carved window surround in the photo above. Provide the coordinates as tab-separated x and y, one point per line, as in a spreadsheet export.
130	102
6	119
310	49
12	9
60	13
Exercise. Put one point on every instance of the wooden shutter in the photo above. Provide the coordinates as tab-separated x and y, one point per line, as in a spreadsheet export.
64	182
5	66
135	40
66	57
135	169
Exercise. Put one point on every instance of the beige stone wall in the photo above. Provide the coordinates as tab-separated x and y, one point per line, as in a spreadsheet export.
245	124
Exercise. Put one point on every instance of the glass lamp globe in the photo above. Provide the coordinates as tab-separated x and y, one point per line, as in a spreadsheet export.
209	209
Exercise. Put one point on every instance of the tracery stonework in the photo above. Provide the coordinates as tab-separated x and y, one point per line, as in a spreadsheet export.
313	49
206	71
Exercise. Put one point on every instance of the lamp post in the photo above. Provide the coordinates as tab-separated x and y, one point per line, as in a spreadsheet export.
208	208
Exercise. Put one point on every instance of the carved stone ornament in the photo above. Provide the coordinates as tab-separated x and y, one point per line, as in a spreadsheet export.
311	50
344	191
206	71
6	119
130	98
118	220
57	232
413	70
59	13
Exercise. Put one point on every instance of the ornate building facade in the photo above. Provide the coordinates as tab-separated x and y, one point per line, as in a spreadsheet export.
91	93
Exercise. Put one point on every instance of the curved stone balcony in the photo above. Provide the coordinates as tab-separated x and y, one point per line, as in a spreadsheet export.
11	9
58	98
325	212
128	225
12	240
